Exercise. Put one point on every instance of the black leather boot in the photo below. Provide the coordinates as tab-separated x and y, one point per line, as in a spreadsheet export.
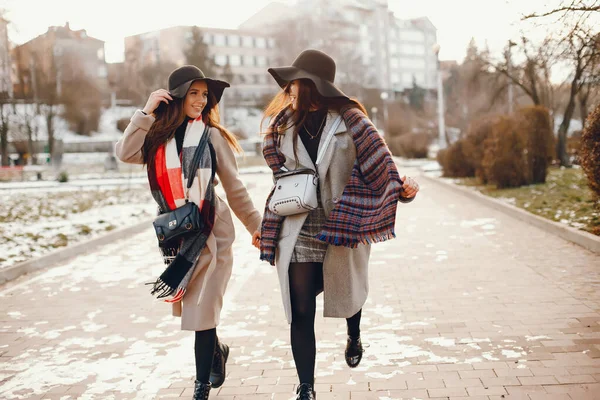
217	371
305	391
354	352
201	390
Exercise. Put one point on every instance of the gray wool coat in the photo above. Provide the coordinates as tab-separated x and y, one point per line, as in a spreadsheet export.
345	270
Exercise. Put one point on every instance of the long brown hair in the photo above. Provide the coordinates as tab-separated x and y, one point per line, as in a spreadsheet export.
170	116
308	98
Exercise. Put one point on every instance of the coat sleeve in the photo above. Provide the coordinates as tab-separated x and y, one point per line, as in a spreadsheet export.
129	148
237	196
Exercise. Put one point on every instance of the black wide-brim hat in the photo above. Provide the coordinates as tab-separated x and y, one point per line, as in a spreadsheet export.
313	65
182	78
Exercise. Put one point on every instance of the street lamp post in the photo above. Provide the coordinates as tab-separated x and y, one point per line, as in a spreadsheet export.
374	114
384	96
440	100
508	70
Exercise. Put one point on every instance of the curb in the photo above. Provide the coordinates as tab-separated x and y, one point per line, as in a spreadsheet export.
48	260
581	238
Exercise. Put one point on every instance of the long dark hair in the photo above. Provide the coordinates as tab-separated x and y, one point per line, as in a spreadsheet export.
308	98
170	116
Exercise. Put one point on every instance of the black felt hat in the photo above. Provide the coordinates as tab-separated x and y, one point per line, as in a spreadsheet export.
313	65
182	78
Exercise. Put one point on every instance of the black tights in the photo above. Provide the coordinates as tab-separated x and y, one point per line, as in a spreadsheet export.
306	282
204	348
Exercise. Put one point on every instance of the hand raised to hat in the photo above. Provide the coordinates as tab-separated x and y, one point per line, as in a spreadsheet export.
154	100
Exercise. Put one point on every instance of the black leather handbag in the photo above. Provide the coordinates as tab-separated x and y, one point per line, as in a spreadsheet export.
172	226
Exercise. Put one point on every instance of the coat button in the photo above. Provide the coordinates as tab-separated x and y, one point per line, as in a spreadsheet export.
335	200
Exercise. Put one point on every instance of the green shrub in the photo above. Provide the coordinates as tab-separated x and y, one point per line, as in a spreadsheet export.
474	146
534	124
63	177
504	162
415	145
590	151
122	124
455	162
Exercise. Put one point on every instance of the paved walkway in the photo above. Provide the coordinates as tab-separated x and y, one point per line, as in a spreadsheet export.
466	304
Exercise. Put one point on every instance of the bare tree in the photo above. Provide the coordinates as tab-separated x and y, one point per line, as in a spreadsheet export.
532	74
196	52
569	6
4	127
580	50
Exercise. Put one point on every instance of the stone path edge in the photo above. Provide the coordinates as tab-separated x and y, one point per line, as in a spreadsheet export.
14	271
579	237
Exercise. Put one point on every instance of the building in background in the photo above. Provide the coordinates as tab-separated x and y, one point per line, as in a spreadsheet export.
6	84
395	52
242	54
58	56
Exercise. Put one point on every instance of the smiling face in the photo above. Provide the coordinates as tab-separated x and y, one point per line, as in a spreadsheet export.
196	99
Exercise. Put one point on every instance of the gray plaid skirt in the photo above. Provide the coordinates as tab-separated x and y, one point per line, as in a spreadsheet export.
308	248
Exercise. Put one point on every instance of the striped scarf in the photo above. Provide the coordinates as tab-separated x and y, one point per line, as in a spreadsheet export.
168	184
366	211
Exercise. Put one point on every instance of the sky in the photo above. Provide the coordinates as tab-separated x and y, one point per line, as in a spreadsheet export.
490	22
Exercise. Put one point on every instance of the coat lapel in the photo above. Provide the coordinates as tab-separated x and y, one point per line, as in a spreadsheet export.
327	157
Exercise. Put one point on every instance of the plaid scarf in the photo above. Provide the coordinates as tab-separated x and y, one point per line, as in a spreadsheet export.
366	211
168	184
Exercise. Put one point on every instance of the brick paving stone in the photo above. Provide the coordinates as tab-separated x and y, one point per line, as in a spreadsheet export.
465	304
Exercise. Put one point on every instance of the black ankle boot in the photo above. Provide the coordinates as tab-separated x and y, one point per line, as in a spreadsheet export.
354	352
201	390
305	391
217	371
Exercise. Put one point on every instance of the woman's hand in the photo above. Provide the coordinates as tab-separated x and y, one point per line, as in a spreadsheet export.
154	100
256	239
410	187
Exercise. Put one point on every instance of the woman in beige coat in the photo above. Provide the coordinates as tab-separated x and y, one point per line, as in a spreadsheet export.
326	249
167	122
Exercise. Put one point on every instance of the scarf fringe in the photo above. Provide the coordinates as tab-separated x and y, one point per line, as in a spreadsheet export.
161	289
178	296
354	242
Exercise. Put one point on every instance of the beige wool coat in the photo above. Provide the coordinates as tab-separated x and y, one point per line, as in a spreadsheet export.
201	306
345	270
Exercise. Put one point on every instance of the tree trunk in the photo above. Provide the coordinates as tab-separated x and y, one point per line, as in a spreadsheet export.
50	126
583	105
4	136
561	145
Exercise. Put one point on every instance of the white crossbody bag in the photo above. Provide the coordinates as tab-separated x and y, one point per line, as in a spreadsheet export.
296	191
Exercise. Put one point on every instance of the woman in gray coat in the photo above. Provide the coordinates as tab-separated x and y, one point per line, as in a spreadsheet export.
326	249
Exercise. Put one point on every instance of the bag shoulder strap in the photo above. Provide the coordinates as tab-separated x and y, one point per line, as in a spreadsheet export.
323	148
197	156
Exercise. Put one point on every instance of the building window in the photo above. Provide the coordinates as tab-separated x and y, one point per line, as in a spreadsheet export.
235	60
207	38
412	63
221	59
261	61
394	62
248	41
395	79
100	54
233	41
248	61
412	36
219	39
271	43
260	43
412	49
102	71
